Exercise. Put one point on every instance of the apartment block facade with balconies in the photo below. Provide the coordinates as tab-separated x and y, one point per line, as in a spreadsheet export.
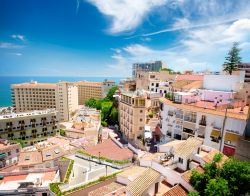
29	127
218	128
134	108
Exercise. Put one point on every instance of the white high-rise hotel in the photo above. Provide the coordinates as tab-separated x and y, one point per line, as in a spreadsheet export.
63	96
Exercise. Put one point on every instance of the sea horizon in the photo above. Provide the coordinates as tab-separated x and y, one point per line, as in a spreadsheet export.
7	81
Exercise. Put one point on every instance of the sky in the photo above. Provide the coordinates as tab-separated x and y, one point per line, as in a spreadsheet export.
105	37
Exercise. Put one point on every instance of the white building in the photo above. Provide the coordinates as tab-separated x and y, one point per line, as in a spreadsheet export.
67	100
203	119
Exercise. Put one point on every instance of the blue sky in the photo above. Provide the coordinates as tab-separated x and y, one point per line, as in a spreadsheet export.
104	37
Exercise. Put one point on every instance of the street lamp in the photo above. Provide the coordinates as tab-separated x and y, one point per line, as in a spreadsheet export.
99	157
89	164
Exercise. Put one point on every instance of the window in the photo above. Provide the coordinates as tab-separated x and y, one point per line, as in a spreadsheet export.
140	119
9	153
180	160
141	111
17	150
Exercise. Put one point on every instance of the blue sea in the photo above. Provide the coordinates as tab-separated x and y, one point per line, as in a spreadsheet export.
6	81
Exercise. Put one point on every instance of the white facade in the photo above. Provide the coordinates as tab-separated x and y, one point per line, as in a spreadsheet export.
177	123
67	100
223	82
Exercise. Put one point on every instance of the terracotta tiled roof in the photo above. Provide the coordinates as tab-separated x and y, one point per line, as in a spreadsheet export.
177	190
52	152
109	150
13	178
29	158
189	77
209	157
143	182
187	175
193	85
132	172
197	107
181	83
188	147
106	189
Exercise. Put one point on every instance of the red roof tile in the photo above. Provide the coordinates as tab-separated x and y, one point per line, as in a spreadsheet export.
189	77
110	150
13	178
176	190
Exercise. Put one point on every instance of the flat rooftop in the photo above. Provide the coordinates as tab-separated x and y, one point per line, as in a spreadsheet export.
37	179
27	114
34	84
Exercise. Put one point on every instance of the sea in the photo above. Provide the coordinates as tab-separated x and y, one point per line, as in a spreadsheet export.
6	81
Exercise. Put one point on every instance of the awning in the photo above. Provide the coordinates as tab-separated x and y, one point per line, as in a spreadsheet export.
231	137
215	133
2	155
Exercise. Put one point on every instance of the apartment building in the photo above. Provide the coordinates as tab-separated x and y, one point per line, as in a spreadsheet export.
33	96
30	127
97	90
147	66
9	153
133	112
220	124
245	67
67	100
39	96
127	85
154	81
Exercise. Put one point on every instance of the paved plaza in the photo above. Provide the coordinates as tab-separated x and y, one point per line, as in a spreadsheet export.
85	171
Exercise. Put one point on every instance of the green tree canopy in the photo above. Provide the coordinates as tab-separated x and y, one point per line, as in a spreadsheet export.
108	107
233	59
111	93
232	178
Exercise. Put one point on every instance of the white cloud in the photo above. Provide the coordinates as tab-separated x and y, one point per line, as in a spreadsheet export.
126	14
19	37
199	49
7	45
18	54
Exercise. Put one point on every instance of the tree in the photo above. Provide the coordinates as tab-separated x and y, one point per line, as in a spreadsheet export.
233	59
111	93
231	178
62	132
193	194
113	117
91	103
237	174
218	186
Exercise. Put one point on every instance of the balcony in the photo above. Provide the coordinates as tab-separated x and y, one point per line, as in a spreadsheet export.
189	131
189	125
203	123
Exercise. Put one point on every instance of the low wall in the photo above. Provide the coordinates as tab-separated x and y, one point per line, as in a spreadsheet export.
85	157
14	173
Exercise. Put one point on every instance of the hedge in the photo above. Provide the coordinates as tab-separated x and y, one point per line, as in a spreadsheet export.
69	170
104	158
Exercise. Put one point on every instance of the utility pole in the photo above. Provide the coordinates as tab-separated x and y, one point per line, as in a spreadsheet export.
223	130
